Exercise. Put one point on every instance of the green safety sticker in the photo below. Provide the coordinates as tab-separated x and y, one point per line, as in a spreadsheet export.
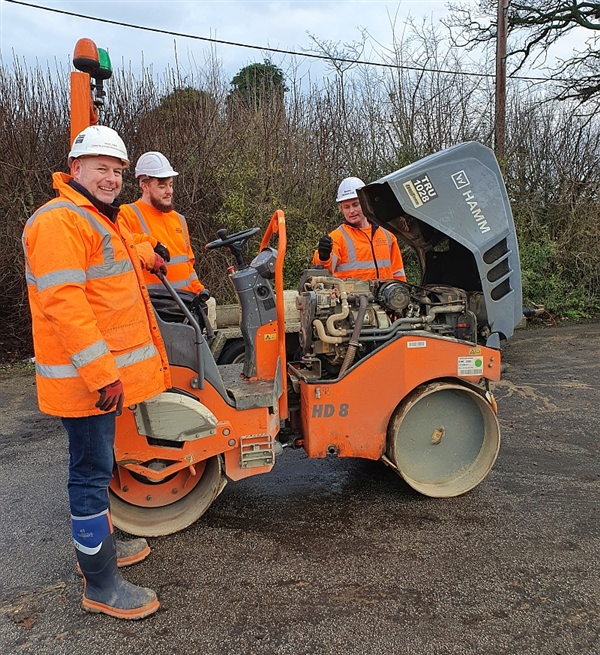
470	366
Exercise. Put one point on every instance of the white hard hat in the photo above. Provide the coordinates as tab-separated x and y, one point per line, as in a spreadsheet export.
98	140
348	187
154	164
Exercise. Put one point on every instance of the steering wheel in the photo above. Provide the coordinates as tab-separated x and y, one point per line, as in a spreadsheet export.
235	242
225	240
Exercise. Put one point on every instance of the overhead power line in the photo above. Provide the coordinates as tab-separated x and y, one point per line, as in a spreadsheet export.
293	53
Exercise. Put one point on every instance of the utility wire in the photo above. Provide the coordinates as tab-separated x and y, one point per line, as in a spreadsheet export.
309	55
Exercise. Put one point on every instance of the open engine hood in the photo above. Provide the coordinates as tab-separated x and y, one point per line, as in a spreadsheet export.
452	208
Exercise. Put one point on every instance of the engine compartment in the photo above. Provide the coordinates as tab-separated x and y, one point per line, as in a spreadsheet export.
342	321
452	209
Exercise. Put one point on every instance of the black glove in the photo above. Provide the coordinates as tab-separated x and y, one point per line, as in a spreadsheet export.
163	251
324	248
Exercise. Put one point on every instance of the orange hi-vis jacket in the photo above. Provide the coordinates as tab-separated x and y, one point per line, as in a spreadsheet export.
369	253
92	318
170	229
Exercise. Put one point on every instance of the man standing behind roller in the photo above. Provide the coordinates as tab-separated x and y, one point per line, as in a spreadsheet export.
358	249
153	217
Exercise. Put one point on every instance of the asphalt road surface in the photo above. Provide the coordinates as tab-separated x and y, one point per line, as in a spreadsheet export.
339	557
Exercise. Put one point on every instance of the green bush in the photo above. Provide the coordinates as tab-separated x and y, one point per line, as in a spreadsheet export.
546	282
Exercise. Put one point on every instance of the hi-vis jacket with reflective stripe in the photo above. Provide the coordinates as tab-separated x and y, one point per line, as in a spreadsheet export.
369	253
170	229
92	319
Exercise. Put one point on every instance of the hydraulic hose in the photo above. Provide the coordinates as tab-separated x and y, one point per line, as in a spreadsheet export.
354	343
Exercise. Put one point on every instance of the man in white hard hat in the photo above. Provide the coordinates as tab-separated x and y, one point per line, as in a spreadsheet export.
97	348
153	217
358	249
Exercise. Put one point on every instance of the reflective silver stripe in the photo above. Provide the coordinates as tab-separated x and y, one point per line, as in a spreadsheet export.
89	354
56	371
136	356
91	516
193	276
334	261
353	264
350	248
399	273
61	371
176	285
368	265
356	266
29	277
112	268
388	237
108	251
179	259
185	232
88	550
138	213
66	276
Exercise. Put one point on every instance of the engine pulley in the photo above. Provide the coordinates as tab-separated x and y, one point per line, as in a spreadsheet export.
394	295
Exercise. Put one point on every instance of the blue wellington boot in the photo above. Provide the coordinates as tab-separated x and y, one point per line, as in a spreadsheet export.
129	552
104	589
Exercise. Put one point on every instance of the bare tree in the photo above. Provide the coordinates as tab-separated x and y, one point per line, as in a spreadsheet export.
236	169
533	27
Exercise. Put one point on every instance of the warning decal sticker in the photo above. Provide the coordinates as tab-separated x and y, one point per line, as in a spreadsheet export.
420	190
470	366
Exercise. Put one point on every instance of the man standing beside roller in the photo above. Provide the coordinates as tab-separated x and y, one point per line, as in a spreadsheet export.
153	217
97	348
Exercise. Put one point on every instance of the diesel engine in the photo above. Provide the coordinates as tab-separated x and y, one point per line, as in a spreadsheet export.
344	320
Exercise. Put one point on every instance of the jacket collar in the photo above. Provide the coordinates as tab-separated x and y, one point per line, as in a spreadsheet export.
80	196
374	227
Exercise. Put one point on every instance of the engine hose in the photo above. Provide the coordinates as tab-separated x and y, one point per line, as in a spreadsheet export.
398	324
323	336
353	347
401	328
444	309
335	318
409	322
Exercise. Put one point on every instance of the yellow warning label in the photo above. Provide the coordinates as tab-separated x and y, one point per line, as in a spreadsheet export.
409	187
270	337
475	351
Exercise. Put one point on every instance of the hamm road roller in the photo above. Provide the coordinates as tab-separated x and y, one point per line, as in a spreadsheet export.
382	370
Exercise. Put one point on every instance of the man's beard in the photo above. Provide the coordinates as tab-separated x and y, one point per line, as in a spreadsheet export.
162	206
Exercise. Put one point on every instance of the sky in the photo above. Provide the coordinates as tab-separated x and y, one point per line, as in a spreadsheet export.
39	36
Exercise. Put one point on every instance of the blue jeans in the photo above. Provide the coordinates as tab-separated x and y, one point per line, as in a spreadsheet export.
91	459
